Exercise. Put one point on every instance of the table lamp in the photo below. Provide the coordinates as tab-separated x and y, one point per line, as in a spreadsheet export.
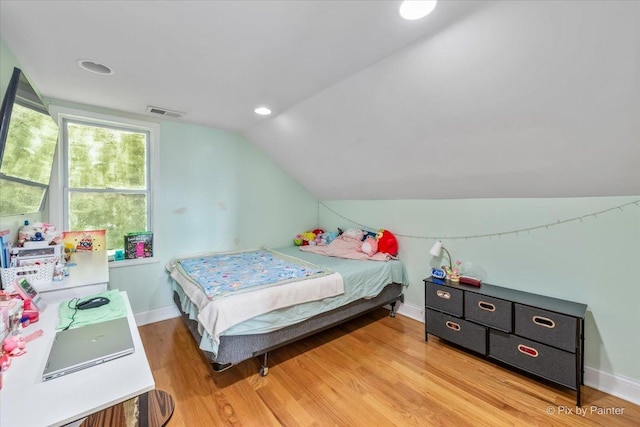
437	249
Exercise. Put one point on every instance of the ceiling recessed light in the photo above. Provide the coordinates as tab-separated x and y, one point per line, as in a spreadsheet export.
263	111
94	67
416	9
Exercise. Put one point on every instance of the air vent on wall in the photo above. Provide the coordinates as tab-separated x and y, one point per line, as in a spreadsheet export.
164	112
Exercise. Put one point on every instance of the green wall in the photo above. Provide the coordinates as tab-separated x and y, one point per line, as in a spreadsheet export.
592	260
216	192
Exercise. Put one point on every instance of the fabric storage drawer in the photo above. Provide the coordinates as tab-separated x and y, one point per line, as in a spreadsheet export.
547	327
547	362
457	331
444	298
489	311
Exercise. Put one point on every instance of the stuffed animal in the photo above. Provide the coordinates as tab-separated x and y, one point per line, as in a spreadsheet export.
369	246
352	233
317	237
387	243
329	237
373	234
307	238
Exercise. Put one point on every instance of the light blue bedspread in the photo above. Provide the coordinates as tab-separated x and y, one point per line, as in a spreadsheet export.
362	279
225	273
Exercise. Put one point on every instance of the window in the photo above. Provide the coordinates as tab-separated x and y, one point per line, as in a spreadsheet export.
28	139
107	176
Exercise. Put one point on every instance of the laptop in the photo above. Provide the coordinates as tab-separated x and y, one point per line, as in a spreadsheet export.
86	346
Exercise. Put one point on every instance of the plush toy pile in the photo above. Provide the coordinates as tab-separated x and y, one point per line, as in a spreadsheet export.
383	241
316	237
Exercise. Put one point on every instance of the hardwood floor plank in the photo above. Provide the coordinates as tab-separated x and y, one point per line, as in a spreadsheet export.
371	371
287	410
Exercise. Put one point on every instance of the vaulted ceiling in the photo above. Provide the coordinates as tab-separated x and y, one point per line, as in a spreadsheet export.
478	99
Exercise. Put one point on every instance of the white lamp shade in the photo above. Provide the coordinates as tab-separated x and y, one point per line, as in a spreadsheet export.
436	249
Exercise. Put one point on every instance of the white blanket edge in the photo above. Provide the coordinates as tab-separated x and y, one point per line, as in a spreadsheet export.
219	315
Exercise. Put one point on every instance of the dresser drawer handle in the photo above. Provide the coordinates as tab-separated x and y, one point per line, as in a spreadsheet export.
452	325
443	294
486	306
529	351
544	321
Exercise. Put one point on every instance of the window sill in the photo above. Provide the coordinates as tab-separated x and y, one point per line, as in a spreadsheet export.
133	262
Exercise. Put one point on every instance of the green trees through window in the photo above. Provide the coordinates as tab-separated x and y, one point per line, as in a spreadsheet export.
107	179
26	162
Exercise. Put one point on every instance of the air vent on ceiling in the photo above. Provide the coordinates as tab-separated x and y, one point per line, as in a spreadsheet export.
164	112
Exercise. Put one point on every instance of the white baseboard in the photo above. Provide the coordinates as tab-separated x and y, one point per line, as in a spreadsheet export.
616	385
157	315
411	311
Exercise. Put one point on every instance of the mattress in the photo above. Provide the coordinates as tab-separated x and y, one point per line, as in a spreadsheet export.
361	279
219	313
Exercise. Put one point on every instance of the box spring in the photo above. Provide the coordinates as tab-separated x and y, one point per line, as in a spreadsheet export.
234	349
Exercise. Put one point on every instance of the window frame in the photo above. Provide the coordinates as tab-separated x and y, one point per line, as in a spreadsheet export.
39	108
60	200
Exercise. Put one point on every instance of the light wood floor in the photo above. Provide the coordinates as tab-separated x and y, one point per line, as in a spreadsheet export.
373	371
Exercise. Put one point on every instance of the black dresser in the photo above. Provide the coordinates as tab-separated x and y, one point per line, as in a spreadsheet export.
540	335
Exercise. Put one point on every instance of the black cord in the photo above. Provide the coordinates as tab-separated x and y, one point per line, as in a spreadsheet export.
74	312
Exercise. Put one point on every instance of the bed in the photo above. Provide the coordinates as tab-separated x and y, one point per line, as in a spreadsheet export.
342	289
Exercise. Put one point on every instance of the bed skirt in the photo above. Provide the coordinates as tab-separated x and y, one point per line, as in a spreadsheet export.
234	349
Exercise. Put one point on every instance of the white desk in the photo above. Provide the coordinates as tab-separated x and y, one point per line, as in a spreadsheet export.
25	400
89	276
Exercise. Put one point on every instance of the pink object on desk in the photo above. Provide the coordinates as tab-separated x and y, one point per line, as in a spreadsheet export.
5	362
33	315
14	346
